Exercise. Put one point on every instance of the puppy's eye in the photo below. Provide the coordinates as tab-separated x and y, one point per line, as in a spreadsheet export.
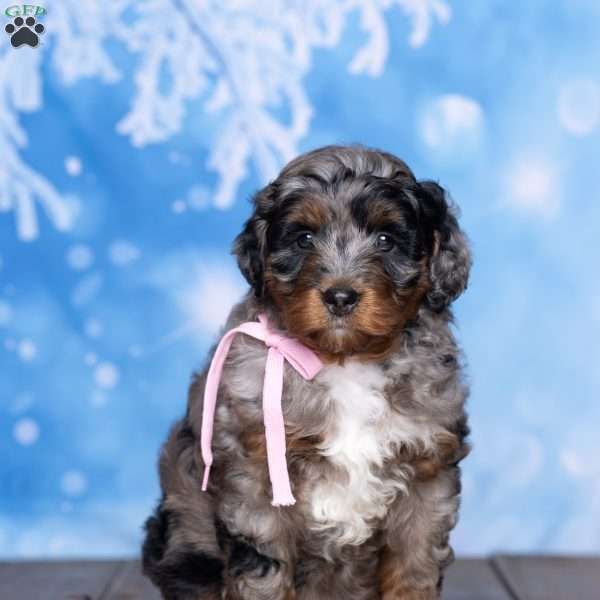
305	240
385	242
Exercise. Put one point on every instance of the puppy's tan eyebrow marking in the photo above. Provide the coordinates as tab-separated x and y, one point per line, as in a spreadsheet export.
311	212
381	214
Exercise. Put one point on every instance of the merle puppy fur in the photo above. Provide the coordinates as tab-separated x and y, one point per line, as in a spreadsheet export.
350	254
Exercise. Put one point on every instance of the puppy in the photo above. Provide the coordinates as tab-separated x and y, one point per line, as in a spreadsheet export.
348	253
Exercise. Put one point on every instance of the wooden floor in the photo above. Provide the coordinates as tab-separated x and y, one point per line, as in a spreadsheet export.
499	578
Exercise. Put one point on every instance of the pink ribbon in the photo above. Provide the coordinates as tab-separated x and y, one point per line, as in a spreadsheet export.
281	348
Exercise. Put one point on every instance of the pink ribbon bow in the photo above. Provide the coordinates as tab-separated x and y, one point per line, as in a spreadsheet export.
280	347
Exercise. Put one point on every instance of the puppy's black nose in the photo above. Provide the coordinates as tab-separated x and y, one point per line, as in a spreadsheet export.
340	301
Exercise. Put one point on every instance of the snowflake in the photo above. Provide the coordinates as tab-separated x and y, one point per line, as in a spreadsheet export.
240	61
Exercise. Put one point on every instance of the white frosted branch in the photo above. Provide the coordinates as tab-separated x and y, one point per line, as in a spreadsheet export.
422	13
20	186
371	57
243	63
79	29
229	158
173	69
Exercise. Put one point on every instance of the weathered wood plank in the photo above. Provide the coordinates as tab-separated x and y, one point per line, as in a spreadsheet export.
7	571
466	580
473	579
81	580
505	578
550	577
130	584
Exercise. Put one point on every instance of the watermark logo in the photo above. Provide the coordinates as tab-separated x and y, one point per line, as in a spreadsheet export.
24	30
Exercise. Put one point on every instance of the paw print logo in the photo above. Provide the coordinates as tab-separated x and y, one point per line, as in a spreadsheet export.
24	31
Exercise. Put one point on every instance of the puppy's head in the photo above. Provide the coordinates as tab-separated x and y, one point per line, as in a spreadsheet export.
347	245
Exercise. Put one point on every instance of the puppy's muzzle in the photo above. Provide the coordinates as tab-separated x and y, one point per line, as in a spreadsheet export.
340	301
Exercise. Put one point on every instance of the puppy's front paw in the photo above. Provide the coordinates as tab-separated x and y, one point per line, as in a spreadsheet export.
252	575
244	559
274	585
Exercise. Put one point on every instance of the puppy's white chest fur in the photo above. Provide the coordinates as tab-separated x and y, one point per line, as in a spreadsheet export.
364	433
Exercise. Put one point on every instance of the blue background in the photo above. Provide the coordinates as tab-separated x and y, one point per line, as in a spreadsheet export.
106	310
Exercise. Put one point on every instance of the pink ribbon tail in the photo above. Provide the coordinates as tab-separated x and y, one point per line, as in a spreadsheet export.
275	429
206	476
210	400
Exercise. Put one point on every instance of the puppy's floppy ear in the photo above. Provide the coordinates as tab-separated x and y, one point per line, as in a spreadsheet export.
450	256
249	246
